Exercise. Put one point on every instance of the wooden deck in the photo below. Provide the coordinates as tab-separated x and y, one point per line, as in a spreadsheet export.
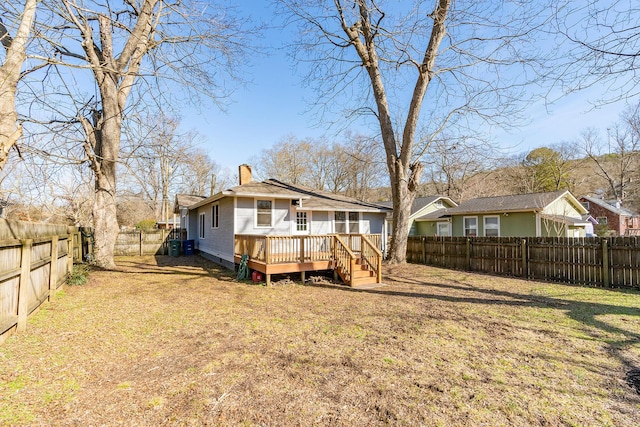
355	258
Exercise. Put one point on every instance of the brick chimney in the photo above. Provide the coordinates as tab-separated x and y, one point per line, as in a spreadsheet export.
244	173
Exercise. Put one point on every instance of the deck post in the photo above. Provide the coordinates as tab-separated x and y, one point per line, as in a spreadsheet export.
301	249
267	279
302	276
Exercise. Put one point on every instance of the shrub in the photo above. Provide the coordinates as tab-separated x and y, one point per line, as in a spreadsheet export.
79	275
146	224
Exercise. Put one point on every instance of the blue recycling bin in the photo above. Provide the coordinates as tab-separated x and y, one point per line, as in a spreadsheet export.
187	247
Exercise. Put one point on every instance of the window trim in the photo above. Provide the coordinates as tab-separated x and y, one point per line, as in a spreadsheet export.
307	222
201	225
448	224
484	225
272	214
464	225
215	216
347	222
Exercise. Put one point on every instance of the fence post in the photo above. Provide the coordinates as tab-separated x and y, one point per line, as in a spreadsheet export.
141	245
605	263
469	254
525	266
53	271
424	249
25	279
70	253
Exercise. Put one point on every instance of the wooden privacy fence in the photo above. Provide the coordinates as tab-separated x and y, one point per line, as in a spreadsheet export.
32	267
149	242
608	262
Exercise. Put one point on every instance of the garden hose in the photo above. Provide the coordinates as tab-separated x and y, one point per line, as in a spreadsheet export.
243	269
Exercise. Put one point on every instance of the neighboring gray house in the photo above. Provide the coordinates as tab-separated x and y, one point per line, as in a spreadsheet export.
224	224
181	208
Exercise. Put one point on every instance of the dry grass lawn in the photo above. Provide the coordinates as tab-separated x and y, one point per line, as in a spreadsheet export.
177	341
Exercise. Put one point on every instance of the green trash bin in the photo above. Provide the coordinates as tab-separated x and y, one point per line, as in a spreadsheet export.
174	247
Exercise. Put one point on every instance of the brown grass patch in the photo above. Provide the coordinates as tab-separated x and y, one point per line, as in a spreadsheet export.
176	341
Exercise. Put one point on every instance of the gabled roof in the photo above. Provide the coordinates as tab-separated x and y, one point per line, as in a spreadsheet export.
514	203
310	199
184	200
420	202
604	204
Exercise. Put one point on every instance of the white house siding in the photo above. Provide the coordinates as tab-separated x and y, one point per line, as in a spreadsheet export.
246	220
320	223
217	244
372	223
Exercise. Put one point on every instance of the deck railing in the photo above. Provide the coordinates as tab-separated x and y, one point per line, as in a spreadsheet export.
344	258
372	257
344	251
281	249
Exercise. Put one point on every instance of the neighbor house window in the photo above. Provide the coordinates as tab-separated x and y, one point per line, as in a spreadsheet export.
585	205
492	226
264	213
301	221
443	229
602	220
470	226
215	211
201	225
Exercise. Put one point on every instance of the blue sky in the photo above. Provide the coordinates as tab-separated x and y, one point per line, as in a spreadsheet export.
274	104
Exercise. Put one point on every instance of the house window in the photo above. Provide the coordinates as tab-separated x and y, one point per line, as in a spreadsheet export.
602	220
341	222
354	223
347	222
443	229
201	225
585	205
301	221
215	210
438	204
492	226
264	213
470	226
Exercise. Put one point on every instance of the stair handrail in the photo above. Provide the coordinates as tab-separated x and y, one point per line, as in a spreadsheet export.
369	251
344	258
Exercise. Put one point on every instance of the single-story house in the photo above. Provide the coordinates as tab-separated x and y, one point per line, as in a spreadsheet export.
420	207
556	214
285	228
620	221
181	207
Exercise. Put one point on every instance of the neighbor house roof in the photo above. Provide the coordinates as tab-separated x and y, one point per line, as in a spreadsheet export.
184	200
602	203
420	202
309	199
512	203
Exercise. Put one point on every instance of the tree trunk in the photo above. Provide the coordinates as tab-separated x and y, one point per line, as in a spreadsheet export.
105	222
10	130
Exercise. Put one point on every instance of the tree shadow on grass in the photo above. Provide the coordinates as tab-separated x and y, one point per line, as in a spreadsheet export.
587	313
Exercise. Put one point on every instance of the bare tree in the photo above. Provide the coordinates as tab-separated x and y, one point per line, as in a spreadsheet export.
616	158
10	75
132	48
604	36
472	57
